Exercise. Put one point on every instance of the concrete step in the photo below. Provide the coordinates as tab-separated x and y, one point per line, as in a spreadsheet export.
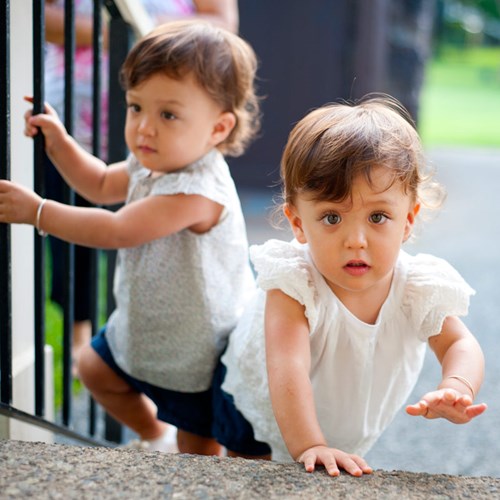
43	471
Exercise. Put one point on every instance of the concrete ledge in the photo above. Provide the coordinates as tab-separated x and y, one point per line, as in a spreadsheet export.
45	471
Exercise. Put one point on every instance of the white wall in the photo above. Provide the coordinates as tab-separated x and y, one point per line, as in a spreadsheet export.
23	236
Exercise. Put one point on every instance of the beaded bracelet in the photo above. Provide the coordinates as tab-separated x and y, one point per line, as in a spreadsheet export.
464	381
41	232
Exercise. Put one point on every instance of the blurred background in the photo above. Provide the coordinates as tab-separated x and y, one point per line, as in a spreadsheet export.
441	58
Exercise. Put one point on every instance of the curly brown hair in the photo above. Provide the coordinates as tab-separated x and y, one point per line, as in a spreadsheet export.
223	64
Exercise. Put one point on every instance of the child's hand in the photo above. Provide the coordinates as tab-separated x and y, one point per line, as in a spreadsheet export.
17	203
332	459
447	403
49	123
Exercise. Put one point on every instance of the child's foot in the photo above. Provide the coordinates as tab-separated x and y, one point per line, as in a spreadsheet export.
167	443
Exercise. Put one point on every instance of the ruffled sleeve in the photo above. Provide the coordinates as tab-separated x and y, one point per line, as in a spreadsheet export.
434	290
284	266
206	177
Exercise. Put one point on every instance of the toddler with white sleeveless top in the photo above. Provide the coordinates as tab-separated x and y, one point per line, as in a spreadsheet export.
183	273
333	342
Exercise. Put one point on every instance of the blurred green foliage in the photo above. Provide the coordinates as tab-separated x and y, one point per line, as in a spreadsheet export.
460	102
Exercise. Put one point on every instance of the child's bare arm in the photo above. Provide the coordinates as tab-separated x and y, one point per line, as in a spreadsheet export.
288	364
85	173
134	224
462	364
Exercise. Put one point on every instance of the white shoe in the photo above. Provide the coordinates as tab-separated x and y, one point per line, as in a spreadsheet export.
167	443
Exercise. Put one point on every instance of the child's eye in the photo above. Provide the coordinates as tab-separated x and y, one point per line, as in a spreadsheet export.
135	108
378	218
331	219
168	116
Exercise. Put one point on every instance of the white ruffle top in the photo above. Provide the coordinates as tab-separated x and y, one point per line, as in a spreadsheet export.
361	373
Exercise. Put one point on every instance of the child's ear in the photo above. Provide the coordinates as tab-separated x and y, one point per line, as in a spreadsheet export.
223	126
410	220
295	223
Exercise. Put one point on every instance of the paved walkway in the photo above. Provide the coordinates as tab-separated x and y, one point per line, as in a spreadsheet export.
41	471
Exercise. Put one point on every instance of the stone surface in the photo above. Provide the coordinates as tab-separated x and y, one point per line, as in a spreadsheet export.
53	471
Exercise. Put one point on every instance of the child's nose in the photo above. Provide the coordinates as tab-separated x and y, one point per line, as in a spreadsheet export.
146	126
356	238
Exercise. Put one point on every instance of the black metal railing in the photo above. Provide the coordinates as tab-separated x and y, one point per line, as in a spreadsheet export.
5	240
120	38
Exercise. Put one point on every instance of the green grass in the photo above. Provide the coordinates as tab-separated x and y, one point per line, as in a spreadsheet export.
54	337
460	102
54	327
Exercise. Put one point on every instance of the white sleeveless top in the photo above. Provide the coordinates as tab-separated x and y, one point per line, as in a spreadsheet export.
361	374
179	297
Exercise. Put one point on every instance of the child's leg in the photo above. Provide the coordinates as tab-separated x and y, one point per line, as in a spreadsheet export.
187	442
117	397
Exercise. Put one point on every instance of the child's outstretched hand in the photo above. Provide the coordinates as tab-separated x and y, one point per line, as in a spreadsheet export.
17	203
334	459
49	123
447	403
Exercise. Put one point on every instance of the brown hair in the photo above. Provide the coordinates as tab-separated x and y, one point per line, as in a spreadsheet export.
333	144
222	63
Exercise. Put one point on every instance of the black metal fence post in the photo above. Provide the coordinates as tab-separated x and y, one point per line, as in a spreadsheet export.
38	107
69	199
5	239
97	45
120	41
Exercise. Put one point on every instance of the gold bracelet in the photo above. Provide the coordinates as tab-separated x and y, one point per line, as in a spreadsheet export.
464	381
41	232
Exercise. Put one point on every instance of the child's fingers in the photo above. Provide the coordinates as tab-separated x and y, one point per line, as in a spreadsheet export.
333	460
309	461
331	466
446	403
473	411
40	121
419	409
363	465
47	108
324	456
354	465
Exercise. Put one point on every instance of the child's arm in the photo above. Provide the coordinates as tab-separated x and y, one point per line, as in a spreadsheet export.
288	364
133	225
462	364
85	173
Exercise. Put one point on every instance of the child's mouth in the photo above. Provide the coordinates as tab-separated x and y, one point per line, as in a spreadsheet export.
356	267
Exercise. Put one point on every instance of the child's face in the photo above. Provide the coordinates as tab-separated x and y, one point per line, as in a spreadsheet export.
172	123
355	243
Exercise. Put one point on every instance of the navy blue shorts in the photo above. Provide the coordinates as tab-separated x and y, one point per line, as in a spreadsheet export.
189	411
230	427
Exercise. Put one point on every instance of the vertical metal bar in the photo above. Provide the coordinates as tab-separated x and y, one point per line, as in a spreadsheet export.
39	151
69	198
120	40
97	47
5	240
97	80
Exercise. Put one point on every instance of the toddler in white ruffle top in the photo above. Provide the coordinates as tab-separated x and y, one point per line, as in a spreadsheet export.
333	343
